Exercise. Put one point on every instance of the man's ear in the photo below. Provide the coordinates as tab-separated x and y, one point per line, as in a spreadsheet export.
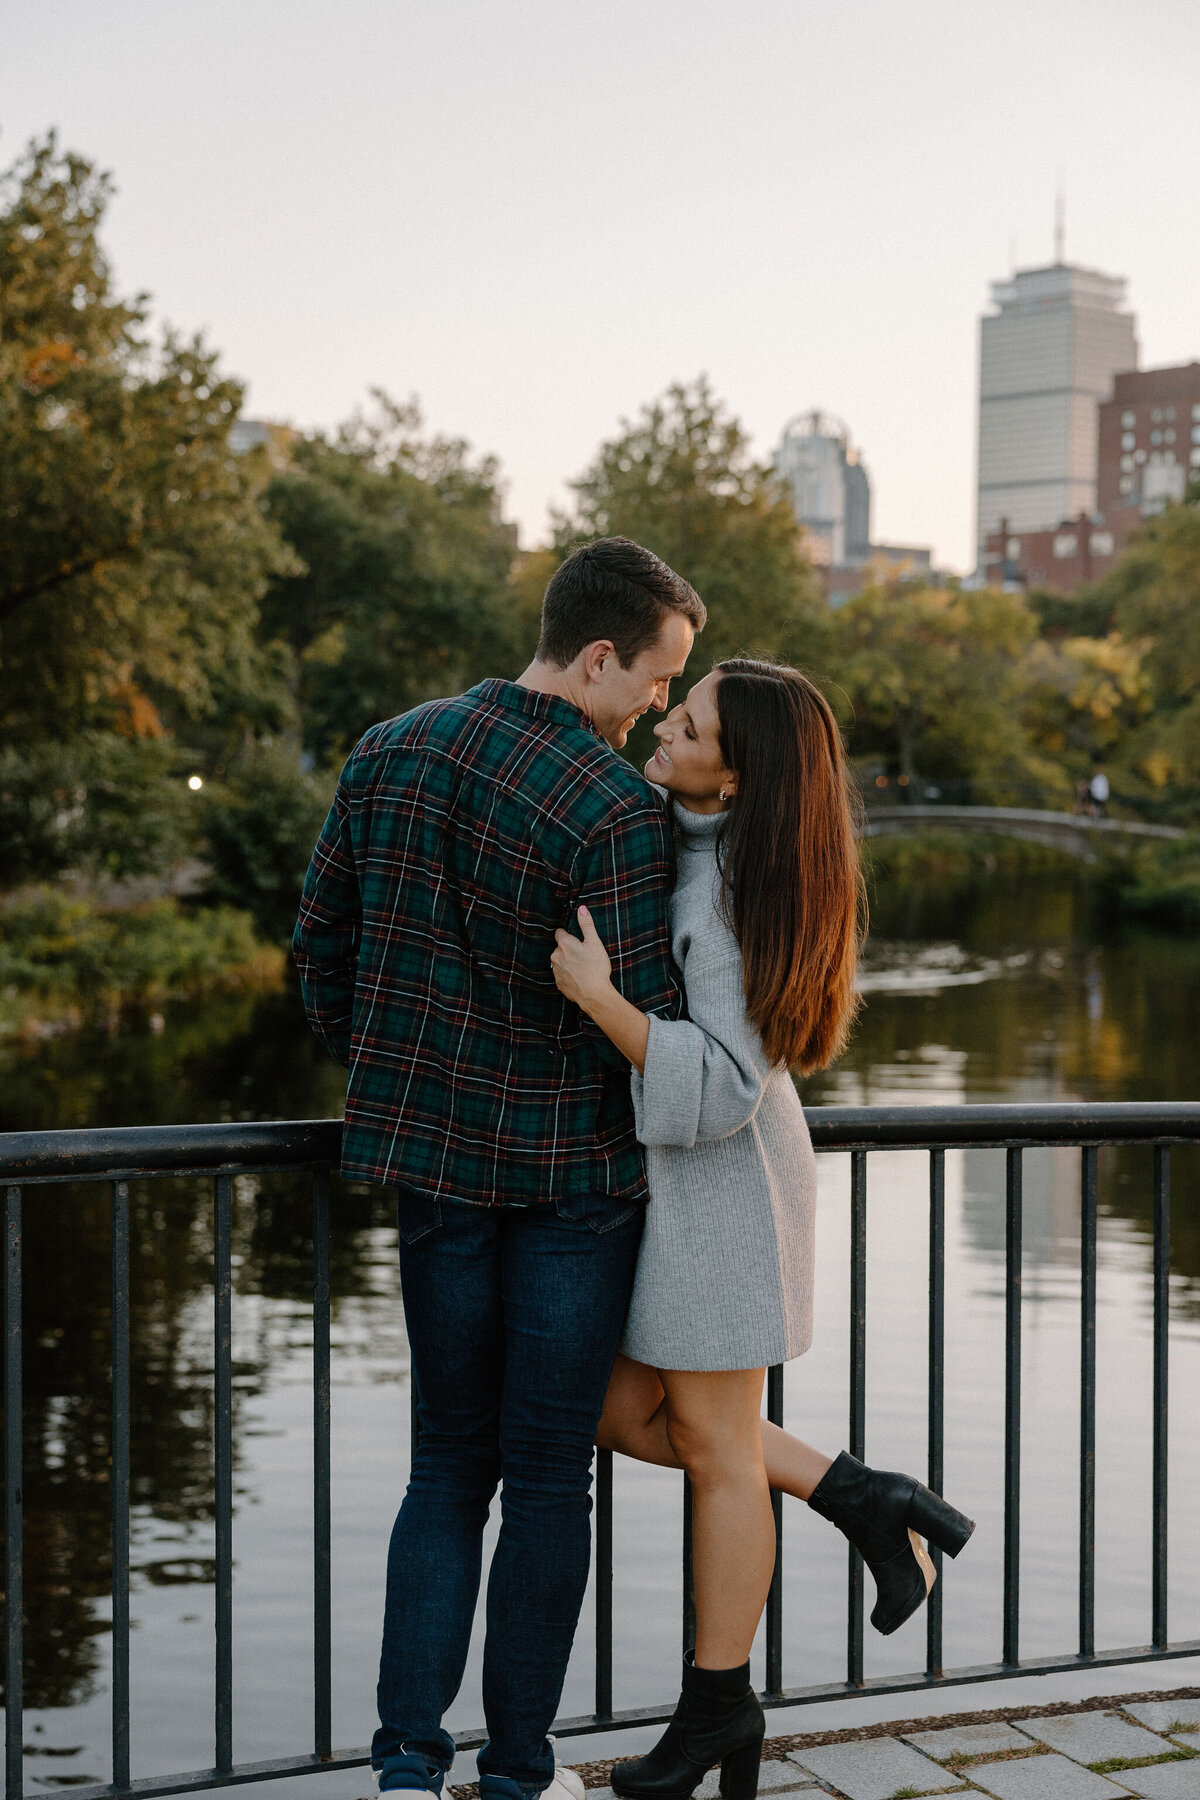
595	656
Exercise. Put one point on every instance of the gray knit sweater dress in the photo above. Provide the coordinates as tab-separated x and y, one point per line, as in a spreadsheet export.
725	1275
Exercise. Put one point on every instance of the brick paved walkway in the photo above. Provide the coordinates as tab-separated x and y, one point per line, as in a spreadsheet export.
1143	1744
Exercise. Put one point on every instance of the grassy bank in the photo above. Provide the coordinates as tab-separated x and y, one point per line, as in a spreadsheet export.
1158	881
67	962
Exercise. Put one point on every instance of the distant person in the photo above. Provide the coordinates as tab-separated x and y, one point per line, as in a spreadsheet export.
765	922
462	835
1098	792
1083	798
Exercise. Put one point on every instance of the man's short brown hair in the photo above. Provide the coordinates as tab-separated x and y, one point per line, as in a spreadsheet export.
614	589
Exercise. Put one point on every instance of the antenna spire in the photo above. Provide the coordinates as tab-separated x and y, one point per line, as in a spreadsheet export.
1060	223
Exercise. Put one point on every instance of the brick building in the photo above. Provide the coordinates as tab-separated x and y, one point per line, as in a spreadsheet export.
1149	443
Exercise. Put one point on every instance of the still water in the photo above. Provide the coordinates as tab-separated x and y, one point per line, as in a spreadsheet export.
1003	990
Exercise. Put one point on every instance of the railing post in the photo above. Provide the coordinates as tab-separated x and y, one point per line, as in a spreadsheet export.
322	1522
936	1391
120	1484
774	1614
858	1394
1012	1406
689	1584
14	1505
223	1464
1162	1323
604	1582
1087	1402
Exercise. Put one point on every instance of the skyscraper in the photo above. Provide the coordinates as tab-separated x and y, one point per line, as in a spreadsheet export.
829	485
1047	358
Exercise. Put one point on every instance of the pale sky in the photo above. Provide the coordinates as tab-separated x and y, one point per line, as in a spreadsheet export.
536	215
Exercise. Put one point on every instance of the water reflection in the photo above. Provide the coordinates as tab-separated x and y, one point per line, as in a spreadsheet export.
1013	989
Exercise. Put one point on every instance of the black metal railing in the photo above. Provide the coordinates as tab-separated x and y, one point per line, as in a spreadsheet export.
36	1160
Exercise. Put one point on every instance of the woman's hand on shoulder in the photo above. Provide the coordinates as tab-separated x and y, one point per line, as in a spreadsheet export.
582	969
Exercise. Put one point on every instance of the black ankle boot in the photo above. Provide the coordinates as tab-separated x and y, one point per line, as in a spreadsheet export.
718	1720
882	1514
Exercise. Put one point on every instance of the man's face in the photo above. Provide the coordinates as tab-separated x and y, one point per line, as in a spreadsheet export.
620	696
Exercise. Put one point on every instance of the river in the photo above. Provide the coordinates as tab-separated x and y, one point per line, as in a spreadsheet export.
1004	988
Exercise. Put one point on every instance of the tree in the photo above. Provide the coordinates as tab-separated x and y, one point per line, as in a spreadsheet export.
680	479
935	678
133	548
1154	593
403	592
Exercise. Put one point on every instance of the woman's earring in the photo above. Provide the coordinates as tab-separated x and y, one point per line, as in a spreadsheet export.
724	795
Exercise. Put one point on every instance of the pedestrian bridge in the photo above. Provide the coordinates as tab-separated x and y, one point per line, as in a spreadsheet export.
1074	834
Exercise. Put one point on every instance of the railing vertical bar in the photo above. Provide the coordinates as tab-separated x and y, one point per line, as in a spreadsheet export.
689	1585
937	1390
120	1483
1087	1401
223	1459
858	1392
14	1567
774	1618
604	1583
1012	1406
322	1520
1162	1320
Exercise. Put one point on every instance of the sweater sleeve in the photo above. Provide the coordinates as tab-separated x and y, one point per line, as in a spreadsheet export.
705	1075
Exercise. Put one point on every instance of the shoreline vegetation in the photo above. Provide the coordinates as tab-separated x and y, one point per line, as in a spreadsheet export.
69	962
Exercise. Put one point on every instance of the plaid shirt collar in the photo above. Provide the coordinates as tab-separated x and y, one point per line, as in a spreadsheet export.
535	705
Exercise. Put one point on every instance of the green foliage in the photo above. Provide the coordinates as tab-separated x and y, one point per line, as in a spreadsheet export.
404	592
935	677
133	548
932	855
97	805
1154	592
64	959
680	479
261	824
1163	882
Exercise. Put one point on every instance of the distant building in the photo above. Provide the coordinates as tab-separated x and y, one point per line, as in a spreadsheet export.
1057	560
831	496
1047	358
252	434
1148	444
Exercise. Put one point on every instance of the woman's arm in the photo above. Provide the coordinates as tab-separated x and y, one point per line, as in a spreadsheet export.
583	973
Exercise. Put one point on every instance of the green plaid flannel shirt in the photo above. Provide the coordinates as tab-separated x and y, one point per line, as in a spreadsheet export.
463	833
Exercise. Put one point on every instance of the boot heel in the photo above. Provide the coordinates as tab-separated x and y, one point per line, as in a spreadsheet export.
739	1772
938	1521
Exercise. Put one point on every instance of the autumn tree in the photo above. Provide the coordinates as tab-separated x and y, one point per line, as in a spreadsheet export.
133	548
681	480
935	678
403	594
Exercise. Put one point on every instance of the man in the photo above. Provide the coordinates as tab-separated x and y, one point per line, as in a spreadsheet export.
463	834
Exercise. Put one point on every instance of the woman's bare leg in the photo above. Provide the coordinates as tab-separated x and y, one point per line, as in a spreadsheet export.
635	1423
713	1428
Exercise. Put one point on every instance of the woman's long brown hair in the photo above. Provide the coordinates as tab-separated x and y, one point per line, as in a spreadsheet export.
791	888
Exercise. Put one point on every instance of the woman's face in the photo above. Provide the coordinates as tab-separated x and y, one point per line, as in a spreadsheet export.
688	760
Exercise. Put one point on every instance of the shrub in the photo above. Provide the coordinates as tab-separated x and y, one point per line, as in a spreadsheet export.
261	824
68	961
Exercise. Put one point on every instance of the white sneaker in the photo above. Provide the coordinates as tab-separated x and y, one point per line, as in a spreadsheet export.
567	1785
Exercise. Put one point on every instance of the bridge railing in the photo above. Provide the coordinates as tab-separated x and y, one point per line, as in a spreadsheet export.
1168	806
33	1165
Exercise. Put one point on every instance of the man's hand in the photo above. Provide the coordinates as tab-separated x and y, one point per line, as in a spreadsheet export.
582	969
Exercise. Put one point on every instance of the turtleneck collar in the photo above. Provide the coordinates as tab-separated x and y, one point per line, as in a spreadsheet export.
698	830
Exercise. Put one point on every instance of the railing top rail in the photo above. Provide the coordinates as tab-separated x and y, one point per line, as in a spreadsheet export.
183	1149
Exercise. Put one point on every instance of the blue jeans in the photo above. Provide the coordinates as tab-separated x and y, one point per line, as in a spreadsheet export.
514	1315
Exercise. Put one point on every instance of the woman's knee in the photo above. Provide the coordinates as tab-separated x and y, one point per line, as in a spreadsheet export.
713	1450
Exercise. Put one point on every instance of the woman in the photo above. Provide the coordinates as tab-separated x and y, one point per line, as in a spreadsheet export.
765	921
